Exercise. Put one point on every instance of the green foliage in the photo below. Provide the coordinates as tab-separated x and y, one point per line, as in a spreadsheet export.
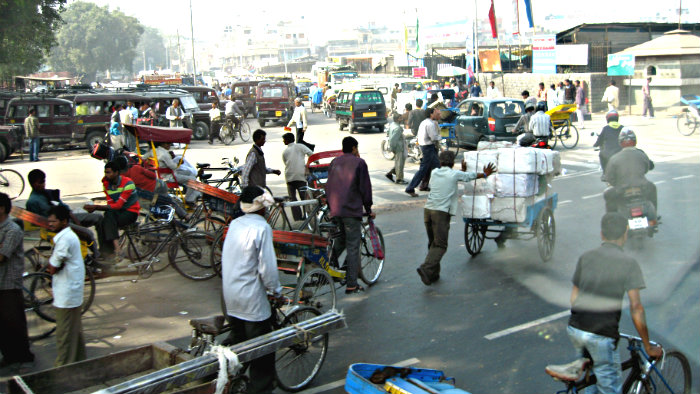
94	39
27	34
153	44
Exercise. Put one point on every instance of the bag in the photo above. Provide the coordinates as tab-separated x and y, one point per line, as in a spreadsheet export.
101	151
376	244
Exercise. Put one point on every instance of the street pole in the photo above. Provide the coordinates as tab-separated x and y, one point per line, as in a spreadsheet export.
179	53
680	12
476	42
144	60
194	64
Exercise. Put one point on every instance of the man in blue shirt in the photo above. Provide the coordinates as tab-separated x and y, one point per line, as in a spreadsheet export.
475	91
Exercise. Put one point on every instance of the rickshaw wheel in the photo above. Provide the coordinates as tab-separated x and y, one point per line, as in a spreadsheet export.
315	289
546	233
474	235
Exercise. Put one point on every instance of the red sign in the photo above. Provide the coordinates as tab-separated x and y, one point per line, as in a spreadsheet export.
162	79
420	72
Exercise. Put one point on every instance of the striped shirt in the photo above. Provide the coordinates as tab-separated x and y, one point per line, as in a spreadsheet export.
122	196
539	124
11	248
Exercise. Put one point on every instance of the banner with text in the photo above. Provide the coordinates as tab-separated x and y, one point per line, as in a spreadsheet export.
620	65
544	54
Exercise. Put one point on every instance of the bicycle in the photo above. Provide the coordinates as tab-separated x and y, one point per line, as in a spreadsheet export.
296	365
37	295
313	216
689	119
646	375
231	179
11	183
228	131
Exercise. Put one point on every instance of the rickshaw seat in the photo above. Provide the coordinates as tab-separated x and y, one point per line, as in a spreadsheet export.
209	325
167	171
33	221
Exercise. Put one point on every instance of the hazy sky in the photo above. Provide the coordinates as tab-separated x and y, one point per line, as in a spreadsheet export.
209	16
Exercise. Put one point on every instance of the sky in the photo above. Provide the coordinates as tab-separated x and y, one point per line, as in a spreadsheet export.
210	16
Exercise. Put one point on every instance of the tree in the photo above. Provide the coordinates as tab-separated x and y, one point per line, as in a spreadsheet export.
94	39
27	34
153	44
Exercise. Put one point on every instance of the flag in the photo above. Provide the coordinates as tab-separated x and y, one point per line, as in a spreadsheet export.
516	20
528	11
492	19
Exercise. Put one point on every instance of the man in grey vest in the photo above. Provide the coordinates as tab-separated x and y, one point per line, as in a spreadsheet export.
254	170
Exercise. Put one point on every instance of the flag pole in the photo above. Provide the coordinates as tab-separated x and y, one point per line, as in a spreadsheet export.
476	43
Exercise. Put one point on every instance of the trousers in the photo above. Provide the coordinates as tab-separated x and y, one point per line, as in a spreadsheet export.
399	162
349	238
108	228
606	359
294	188
14	341
34	146
437	226
70	343
300	139
262	369
648	107
427	164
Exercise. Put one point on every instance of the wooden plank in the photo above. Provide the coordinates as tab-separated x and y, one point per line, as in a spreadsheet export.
296	238
30	217
213	191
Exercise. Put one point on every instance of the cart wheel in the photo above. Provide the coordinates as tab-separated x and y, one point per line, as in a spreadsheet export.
546	233
316	289
569	136
474	235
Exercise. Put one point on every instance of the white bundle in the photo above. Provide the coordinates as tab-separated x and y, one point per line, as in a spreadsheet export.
476	160
516	185
476	206
483	186
482	145
510	209
527	160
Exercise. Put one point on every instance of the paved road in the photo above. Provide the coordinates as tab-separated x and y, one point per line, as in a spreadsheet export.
444	326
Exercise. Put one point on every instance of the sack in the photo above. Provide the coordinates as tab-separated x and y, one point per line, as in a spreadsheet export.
376	244
101	151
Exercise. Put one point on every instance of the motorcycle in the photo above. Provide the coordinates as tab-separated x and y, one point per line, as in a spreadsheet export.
414	152
640	213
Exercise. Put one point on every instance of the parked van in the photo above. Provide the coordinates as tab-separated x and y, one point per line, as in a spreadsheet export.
245	91
55	116
274	101
360	108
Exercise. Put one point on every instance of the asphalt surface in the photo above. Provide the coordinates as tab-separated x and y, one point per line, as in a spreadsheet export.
493	321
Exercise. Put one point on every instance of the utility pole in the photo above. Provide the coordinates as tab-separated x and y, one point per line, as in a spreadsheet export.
476	42
680	12
144	60
179	53
194	64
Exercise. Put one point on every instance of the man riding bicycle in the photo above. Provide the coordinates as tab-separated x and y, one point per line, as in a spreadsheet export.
234	112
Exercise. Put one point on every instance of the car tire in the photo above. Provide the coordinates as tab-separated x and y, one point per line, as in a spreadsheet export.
381	128
341	126
261	123
94	137
351	127
200	130
4	152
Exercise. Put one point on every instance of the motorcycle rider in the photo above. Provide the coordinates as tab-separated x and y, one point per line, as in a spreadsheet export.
627	169
540	123
523	126
607	139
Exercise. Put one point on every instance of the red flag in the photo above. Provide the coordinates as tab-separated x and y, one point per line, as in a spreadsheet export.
492	19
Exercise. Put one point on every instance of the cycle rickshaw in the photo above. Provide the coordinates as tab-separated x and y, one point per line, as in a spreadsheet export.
562	128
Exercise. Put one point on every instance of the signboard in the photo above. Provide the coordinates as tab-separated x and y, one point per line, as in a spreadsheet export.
162	79
490	60
572	55
544	57
420	72
620	65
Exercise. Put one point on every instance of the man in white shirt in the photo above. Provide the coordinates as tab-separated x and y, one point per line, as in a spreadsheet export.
68	270
428	136
214	121
295	170
611	96
126	117
540	122
175	114
492	91
249	273
441	205
299	120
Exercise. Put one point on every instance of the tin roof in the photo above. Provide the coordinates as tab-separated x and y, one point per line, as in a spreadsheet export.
675	42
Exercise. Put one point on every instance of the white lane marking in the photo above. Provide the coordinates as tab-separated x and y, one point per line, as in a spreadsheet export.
674	158
395	233
341	382
564	202
525	326
576	174
659	182
678	178
592	196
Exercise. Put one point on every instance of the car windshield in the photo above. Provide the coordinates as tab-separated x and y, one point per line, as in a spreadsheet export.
506	109
188	102
368	98
272	91
304	84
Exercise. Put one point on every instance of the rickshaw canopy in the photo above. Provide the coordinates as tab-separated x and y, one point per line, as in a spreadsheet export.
161	134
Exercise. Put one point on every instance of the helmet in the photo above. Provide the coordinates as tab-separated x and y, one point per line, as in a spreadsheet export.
529	105
626	134
541	106
612	116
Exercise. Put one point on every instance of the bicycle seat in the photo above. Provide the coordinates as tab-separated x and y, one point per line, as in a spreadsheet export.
204	177
203	165
280	199
209	325
570	372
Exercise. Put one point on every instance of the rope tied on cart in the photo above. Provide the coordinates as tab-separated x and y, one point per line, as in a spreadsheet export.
228	365
306	333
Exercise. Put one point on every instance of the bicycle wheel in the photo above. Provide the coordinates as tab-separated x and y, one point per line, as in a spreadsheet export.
88	290
371	266
568	137
555	135
226	134
298	364
675	376
217	248
194	261
686	123
546	233
244	132
39	324
11	183
40	285
316	289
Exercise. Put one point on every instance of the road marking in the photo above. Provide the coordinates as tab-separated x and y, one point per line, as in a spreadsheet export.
674	158
564	202
659	182
525	326
576	174
678	178
591	196
341	382
395	233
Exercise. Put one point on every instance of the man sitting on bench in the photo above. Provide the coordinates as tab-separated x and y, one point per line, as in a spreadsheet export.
122	209
42	199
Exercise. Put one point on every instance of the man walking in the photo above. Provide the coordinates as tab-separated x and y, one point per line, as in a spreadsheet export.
569	92
441	205
299	120
475	90
348	191
254	170
611	96
580	103
249	272
295	170
68	270
14	341
648	107
415	117
31	129
492	91
215	122
175	114
602	278
397	144
428	135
